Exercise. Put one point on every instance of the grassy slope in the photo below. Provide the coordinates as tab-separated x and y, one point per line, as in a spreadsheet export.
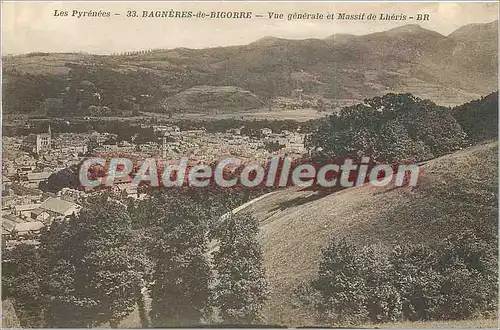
294	227
456	191
482	323
9	316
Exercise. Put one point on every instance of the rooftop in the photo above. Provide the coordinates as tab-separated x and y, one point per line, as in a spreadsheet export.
58	206
38	176
29	226
26	207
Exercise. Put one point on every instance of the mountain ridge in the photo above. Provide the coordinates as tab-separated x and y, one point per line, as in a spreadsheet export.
447	70
412	27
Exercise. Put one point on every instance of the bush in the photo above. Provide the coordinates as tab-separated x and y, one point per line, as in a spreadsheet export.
450	280
414	275
341	284
383	300
470	273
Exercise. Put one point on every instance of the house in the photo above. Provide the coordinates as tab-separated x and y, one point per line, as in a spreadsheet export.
34	179
25	210
125	184
8	201
40	215
28	229
9	222
54	207
70	195
13	227
59	207
6	183
74	149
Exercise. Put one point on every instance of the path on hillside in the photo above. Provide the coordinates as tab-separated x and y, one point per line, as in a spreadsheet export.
214	244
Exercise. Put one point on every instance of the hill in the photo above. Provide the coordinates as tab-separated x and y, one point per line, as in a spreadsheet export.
449	70
479	118
213	98
456	192
483	32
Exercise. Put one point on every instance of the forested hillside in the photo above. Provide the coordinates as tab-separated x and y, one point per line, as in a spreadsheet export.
449	70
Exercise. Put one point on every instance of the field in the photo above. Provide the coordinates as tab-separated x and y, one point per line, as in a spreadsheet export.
300	115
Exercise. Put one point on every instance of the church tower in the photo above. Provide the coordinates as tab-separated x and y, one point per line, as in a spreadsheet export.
43	141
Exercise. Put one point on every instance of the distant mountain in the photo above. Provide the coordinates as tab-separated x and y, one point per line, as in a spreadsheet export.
476	32
449	70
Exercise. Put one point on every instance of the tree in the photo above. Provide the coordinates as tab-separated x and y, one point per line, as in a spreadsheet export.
273	146
241	287
341	283
392	128
415	275
67	177
452	279
22	275
53	107
98	111
469	265
93	273
146	135
479	118
180	293
383	300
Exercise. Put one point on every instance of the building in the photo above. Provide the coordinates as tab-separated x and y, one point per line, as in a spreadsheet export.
27	229
54	207
167	130
9	222
266	131
74	148
70	195
38	143
25	210
125	184
33	180
14	227
24	165
96	141
170	141
6	183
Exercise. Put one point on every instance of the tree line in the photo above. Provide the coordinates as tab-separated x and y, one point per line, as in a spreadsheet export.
94	268
402	127
452	280
127	129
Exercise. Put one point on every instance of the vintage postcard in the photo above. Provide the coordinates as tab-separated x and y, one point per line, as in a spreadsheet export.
249	164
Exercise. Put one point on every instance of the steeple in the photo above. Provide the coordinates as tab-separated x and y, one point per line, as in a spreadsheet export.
49	131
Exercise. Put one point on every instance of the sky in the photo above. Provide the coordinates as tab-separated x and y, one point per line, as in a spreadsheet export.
32	26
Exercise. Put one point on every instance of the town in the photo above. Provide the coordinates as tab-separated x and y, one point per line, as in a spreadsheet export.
30	160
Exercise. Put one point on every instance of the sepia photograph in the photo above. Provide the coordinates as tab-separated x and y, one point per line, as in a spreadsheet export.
247	164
